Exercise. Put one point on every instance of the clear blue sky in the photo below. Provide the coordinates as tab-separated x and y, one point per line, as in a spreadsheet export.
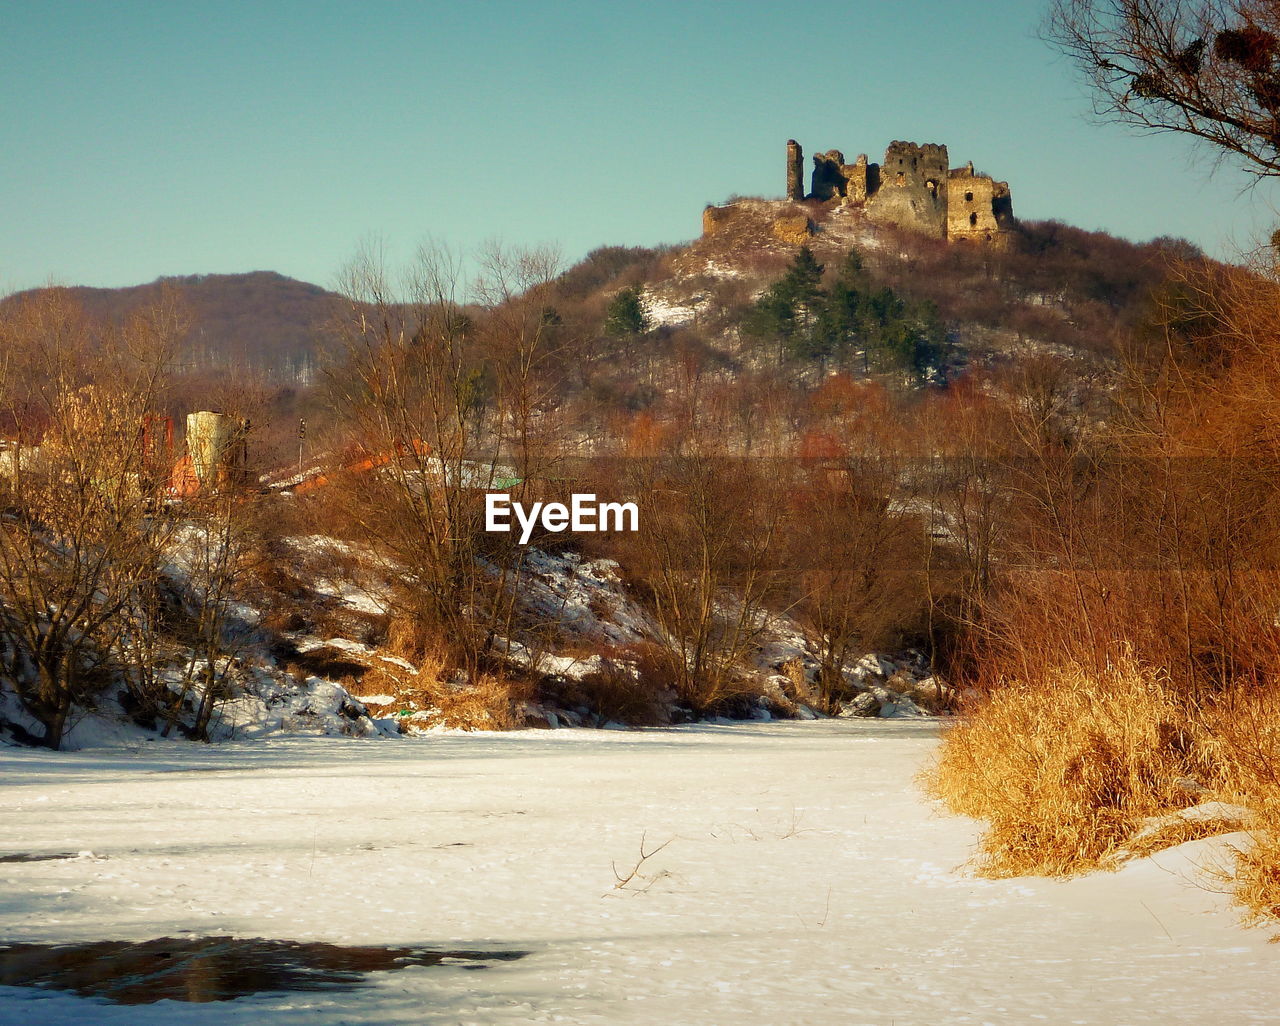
148	139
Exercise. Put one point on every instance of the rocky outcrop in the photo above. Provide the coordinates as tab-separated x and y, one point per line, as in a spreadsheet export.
793	229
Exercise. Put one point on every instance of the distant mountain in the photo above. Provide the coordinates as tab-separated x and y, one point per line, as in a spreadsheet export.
260	320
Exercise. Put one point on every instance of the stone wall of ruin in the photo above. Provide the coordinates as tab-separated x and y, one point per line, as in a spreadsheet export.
912	190
829	179
906	164
714	218
862	180
914	187
970	212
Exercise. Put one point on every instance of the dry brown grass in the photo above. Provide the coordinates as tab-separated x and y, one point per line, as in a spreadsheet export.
1257	877
1065	772
443	695
409	637
1176	832
1249	726
487	702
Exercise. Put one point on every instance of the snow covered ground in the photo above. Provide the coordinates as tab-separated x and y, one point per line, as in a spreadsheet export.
806	880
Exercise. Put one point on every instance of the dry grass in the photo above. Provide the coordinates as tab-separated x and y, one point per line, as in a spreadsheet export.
411	637
441	695
488	702
1257	878
1065	772
631	686
1249	726
1178	831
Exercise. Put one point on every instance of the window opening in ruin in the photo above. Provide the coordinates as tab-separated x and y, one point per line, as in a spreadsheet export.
973	220
968	197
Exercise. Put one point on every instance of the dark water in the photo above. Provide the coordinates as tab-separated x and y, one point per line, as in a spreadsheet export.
213	968
29	856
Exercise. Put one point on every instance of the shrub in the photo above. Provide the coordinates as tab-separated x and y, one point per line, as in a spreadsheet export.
628	688
1248	724
605	265
486	702
481	701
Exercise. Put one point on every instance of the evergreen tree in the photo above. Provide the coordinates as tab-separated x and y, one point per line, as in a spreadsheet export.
852	272
625	316
788	310
913	339
802	284
811	323
842	320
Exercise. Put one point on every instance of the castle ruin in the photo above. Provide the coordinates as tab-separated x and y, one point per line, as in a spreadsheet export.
915	188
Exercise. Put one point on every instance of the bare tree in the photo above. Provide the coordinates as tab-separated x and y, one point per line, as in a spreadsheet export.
858	558
706	555
214	551
1206	68
521	337
78	538
448	400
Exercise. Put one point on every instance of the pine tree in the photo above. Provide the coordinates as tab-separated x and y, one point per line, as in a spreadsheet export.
810	323
787	312
625	316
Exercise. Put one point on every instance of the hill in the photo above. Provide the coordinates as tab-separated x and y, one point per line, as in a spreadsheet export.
260	321
1051	288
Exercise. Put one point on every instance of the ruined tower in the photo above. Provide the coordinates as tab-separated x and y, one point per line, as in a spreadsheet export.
795	171
828	175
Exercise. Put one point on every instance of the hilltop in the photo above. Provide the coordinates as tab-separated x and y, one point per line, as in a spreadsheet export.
942	241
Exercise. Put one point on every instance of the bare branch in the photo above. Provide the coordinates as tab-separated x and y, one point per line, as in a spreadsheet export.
1205	68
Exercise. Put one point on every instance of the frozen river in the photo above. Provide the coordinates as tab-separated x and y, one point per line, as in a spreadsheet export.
804	879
